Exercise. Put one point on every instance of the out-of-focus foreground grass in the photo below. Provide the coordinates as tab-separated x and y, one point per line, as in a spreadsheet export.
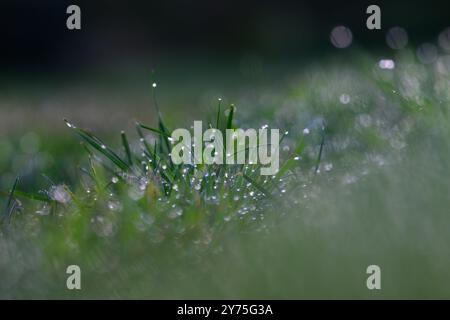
380	196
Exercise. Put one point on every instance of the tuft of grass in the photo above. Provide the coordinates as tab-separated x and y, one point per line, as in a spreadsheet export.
153	164
177	231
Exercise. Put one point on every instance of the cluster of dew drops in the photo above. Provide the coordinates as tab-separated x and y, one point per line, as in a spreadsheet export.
242	201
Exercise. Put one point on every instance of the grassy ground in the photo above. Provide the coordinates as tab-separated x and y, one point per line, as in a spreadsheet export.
366	183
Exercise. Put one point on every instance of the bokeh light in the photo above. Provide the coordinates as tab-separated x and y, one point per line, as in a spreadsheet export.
341	37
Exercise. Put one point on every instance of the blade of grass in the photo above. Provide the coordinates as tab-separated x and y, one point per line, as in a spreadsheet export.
11	193
149	152
143	126
33	196
319	157
97	144
10	202
218	114
126	146
230	117
162	127
291	163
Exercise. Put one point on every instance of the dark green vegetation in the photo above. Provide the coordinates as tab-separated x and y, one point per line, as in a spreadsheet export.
366	183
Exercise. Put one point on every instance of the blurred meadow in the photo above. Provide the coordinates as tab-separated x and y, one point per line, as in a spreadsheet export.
86	177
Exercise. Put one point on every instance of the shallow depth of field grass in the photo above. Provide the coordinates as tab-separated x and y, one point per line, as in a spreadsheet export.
363	180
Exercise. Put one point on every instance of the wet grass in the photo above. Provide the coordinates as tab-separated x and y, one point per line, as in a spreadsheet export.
363	180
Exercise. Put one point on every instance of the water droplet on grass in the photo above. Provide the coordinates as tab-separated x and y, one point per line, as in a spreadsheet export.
135	192
59	194
115	205
344	98
44	210
70	125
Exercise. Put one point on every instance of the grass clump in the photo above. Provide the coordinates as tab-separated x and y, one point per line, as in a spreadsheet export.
362	181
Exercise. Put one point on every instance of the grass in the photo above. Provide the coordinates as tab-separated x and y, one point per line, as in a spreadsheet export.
365	184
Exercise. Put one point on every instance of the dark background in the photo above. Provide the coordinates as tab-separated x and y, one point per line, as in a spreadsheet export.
34	34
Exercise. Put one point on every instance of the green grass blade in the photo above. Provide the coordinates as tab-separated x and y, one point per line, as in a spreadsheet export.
11	193
166	135
126	146
33	196
319	157
150	153
162	127
230	117
97	144
9	209
292	163
218	115
143	126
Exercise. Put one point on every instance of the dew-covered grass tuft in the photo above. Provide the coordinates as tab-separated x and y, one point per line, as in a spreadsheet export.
363	180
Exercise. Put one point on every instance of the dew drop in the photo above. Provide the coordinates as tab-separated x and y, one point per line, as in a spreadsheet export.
59	194
115	205
344	98
44	210
328	167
